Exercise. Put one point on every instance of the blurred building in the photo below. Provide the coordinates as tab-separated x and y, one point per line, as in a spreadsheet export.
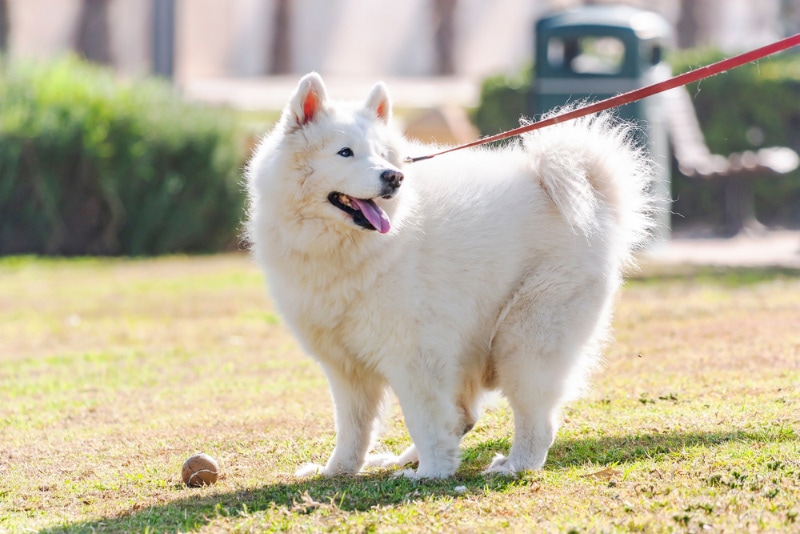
358	38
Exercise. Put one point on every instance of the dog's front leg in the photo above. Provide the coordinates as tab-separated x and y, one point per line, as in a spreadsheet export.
358	395
433	420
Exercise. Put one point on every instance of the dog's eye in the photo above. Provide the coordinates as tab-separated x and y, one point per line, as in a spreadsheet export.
346	152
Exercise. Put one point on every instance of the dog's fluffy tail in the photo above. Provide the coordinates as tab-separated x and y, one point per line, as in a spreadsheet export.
598	177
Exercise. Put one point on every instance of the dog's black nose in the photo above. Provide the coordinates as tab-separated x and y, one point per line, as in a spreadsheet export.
392	178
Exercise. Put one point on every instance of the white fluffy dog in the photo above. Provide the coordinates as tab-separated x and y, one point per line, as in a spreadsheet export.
480	270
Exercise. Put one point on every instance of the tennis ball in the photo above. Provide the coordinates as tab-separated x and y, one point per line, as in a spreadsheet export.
200	470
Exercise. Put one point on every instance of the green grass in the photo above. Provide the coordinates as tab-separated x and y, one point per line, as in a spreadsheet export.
113	372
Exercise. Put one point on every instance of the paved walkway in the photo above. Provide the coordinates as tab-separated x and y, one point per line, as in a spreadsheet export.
272	93
777	248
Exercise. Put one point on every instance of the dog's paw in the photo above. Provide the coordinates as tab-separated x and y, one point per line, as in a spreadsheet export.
310	470
500	466
409	456
419	474
384	459
410	474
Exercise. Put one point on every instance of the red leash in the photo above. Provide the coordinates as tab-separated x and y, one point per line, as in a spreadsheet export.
636	94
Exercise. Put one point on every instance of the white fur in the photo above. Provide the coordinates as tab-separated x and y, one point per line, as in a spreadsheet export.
498	272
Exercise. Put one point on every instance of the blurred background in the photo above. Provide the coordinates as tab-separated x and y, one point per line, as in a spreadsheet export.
124	124
362	38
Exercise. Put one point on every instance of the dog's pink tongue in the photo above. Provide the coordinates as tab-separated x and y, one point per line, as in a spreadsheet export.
374	214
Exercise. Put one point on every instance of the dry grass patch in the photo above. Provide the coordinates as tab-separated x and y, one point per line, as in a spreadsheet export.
113	372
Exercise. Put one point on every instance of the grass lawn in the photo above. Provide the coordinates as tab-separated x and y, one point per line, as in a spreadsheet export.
113	372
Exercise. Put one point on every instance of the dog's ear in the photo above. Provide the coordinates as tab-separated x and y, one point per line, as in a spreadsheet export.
379	103
309	99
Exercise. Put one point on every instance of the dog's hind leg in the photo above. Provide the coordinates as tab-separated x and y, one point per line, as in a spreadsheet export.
359	396
542	351
433	419
437	419
411	454
469	406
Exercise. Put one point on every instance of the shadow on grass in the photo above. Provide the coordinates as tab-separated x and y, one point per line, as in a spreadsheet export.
303	496
381	489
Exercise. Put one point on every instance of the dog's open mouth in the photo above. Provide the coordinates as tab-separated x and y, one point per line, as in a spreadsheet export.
364	212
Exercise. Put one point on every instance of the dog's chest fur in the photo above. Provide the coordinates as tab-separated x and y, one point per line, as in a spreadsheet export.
355	311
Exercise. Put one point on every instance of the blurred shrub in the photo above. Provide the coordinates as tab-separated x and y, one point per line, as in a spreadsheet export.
754	106
503	100
90	165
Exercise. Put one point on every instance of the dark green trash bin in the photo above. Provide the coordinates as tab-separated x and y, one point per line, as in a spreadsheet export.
596	52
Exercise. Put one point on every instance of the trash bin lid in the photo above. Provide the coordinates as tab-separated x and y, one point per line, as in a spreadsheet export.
600	41
639	22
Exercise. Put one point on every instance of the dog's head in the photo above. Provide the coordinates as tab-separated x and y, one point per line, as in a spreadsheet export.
345	154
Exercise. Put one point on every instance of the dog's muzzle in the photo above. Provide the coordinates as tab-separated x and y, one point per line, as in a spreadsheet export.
391	182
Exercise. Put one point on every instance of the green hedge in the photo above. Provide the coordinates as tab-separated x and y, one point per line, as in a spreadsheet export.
503	100
92	165
757	105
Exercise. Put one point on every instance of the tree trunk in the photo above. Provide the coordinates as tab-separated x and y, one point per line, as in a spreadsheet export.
687	27
93	34
281	52
163	38
4	26
444	36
